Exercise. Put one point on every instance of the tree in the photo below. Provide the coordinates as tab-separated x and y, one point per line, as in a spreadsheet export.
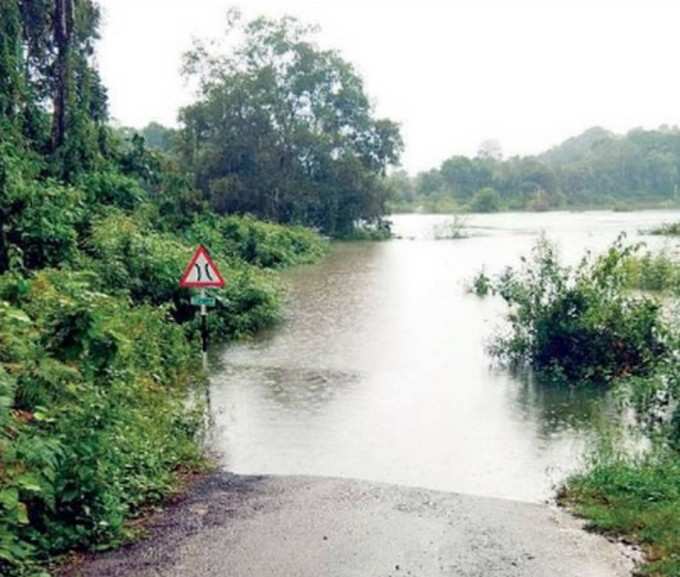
490	149
284	130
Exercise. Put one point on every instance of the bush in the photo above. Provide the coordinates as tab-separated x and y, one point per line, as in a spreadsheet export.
669	229
452	229
145	265
93	413
486	200
259	243
481	285
42	221
654	272
582	323
364	231
112	188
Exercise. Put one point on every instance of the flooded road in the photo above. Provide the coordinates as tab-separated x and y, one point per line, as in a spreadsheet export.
379	371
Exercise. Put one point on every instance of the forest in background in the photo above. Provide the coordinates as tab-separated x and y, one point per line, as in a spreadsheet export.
596	169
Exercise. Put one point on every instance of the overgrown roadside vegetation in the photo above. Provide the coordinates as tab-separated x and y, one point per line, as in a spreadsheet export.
100	392
611	321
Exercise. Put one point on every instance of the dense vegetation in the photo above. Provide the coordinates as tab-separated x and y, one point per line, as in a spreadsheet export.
580	323
592	325
283	130
100	402
595	169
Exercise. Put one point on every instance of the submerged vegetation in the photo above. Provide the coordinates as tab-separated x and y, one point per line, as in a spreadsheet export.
612	321
451	229
669	229
580	323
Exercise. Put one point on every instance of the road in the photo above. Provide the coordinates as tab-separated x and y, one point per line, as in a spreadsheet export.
229	525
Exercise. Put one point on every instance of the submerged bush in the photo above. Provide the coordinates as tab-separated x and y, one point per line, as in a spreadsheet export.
451	229
668	229
579	323
481	285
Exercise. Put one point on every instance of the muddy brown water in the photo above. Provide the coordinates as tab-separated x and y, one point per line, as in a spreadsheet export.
380	371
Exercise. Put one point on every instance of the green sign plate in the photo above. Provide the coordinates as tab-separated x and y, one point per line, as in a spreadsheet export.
200	300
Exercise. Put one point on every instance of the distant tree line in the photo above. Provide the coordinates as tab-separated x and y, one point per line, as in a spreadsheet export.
597	168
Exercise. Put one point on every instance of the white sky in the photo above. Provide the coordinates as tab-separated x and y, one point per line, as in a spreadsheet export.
529	73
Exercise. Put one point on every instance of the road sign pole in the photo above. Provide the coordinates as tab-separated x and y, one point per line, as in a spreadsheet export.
204	331
200	273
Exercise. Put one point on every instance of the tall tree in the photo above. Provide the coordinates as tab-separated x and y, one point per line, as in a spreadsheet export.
283	129
63	31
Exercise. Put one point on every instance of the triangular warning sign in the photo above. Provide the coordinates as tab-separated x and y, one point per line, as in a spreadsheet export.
201	272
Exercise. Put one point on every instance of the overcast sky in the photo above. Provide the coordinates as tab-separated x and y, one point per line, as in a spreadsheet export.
529	73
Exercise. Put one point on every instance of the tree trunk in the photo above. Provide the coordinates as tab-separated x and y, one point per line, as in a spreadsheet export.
62	29
4	257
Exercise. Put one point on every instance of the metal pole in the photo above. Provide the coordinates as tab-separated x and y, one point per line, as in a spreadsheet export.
204	331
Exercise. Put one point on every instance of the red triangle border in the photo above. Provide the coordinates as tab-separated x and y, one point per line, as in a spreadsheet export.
184	283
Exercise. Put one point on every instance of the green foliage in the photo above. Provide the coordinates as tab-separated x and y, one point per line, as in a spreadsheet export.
485	200
41	221
259	243
112	188
145	265
654	272
284	130
581	324
595	169
637	495
93	413
638	498
482	284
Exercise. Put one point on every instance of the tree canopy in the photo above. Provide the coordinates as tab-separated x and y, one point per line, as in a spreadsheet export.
596	168
283	129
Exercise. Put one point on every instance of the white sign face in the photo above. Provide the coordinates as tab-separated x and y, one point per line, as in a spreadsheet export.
201	272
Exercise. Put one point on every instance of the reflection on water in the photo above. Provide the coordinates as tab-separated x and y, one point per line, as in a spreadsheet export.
380	370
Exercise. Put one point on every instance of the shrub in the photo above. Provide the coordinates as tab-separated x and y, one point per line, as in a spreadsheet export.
580	323
112	188
146	265
41	223
259	243
481	285
94	413
452	229
365	231
654	272
486	200
668	229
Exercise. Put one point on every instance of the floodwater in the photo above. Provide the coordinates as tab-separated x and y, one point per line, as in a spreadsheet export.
380	369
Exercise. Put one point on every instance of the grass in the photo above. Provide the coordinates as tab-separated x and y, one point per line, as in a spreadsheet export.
637	500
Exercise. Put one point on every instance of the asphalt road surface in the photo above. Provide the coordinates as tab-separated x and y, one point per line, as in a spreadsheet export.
229	525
